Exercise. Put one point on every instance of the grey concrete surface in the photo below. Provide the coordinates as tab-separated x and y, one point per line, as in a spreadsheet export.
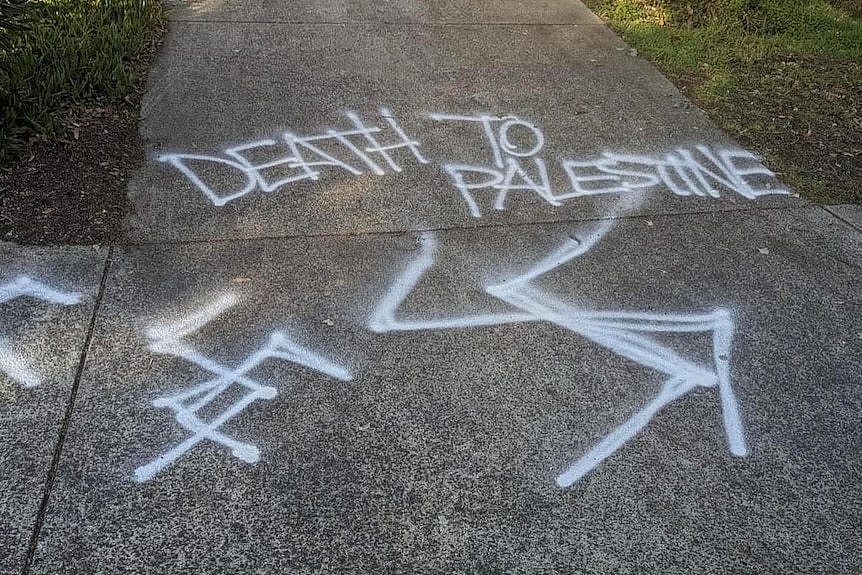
580	85
398	11
47	338
436	447
440	455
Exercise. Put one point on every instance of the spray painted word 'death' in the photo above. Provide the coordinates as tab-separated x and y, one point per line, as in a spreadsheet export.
169	339
306	155
11	363
514	164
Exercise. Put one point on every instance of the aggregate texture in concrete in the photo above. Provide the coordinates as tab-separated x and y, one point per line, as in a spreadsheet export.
41	339
380	372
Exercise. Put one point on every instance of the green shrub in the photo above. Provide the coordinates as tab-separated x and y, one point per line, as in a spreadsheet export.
58	53
682	33
12	19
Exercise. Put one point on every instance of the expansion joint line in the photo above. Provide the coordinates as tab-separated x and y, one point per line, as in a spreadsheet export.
67	417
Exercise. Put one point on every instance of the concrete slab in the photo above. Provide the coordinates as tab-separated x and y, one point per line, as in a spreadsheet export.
444	451
46	304
850	213
400	11
219	86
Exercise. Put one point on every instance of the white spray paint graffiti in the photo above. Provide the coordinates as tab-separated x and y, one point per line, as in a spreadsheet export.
685	172
383	318
696	171
624	333
11	363
168	339
360	149
507	172
514	166
513	171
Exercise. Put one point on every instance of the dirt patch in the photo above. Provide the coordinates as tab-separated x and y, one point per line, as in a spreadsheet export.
803	114
72	190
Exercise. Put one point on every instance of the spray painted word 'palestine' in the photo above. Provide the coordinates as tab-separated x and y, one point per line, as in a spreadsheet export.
514	164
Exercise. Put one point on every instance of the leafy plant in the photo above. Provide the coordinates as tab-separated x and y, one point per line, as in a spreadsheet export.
55	54
13	18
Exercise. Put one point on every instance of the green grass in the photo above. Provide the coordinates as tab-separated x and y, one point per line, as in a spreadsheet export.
57	54
782	76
